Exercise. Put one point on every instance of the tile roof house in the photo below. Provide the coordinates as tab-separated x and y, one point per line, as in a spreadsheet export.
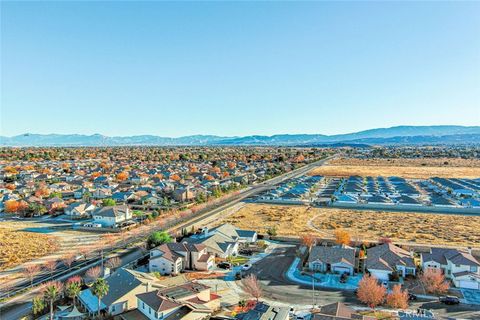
385	259
459	265
332	259
172	258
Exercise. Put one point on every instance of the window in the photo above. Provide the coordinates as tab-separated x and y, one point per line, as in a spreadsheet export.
473	269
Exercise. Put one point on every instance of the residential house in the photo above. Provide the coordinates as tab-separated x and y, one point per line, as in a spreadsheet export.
192	301
124	285
172	258
79	209
183	194
458	265
264	311
385	259
243	236
217	243
111	216
332	259
339	311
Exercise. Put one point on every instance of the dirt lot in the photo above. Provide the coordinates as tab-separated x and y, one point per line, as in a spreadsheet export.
18	246
407	168
366	225
400	171
413	162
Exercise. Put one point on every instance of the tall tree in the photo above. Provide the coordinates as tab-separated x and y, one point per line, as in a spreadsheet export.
251	285
52	291
73	286
342	237
370	291
51	266
308	240
38	305
398	298
100	289
114	263
434	281
93	273
31	271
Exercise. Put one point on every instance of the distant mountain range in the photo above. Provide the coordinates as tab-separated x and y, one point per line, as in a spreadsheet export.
400	135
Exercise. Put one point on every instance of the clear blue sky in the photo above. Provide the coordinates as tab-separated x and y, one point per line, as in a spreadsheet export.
173	69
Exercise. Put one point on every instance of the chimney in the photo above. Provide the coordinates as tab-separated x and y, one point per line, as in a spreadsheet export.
469	250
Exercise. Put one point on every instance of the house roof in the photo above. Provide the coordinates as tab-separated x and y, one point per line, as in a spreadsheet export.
338	311
157	302
111	212
456	256
332	255
387	256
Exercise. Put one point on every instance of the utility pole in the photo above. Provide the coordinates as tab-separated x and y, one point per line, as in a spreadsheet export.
313	290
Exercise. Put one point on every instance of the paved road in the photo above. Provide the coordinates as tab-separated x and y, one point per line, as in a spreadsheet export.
20	306
271	271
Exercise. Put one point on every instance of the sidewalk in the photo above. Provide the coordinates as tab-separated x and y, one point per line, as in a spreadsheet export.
321	280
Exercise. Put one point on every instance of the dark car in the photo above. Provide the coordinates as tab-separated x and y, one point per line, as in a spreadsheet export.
412	297
238	276
343	278
224	265
449	300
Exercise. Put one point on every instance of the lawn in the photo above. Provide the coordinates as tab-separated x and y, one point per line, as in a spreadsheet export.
407	168
422	228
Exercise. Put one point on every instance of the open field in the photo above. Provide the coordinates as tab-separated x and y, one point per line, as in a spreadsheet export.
422	228
407	168
19	246
408	162
412	172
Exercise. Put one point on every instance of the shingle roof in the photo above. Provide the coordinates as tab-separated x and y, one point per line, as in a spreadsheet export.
387	256
332	255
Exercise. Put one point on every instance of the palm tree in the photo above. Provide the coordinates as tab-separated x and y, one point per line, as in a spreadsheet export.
100	289
73	288
51	292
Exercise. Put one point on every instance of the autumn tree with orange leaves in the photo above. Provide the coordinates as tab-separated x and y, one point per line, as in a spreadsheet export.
122	176
308	240
12	206
342	237
398	298
434	281
371	292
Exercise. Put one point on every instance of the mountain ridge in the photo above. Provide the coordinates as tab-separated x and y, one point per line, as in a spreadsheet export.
448	134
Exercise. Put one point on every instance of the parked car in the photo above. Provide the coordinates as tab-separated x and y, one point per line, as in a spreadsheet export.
246	252
449	300
246	267
92	225
412	297
224	265
343	278
238	276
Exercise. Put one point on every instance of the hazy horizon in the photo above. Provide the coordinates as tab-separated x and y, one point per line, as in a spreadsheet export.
237	68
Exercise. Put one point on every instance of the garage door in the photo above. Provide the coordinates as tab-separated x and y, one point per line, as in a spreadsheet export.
341	270
468	284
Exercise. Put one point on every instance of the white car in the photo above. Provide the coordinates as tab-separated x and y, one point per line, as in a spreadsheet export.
246	267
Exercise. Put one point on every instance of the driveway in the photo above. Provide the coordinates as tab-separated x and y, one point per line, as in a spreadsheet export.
471	296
